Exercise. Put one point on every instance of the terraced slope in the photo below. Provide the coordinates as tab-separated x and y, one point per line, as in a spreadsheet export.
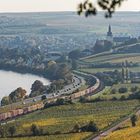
113	58
126	132
62	119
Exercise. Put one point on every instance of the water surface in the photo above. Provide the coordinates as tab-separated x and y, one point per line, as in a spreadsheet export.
9	81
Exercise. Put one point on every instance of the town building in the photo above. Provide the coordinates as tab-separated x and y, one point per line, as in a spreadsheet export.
117	39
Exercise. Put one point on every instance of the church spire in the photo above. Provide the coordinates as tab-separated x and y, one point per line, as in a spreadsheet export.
109	28
109	33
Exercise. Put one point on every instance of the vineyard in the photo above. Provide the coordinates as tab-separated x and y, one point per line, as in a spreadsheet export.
113	58
134	59
62	119
95	70
107	92
126	131
75	136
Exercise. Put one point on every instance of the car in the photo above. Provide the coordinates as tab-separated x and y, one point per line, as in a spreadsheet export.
34	100
103	135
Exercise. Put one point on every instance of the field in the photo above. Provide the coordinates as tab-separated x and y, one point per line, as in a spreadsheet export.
114	58
63	118
95	70
73	136
134	59
126	132
106	93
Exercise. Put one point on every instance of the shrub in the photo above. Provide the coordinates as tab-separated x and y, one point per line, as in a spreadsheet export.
43	97
47	105
123	90
76	128
2	132
60	101
57	132
35	130
12	130
123	98
113	91
134	89
133	120
91	127
98	99
5	101
114	99
136	95
82	99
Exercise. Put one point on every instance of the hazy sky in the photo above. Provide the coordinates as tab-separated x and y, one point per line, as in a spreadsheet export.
54	5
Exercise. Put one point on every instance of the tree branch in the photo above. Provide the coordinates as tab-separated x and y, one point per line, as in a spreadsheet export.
109	6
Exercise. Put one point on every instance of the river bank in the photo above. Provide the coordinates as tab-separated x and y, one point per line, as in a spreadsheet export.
24	70
12	80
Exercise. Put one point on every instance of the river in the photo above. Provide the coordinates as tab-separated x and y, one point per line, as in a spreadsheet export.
9	81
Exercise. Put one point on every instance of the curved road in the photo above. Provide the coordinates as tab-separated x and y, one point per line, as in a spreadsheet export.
77	83
68	89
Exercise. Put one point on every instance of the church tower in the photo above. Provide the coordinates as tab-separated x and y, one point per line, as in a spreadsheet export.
109	34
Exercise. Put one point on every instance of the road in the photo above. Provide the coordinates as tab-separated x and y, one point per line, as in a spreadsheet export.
126	46
107	132
77	83
68	89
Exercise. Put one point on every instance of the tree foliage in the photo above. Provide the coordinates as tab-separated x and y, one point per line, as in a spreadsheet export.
37	88
43	97
133	120
76	128
37	85
123	90
2	132
75	54
92	127
17	94
12	130
5	100
36	131
89	8
60	101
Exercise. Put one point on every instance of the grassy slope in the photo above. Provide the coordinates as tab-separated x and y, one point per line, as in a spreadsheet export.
75	136
63	118
95	70
113	57
127	132
106	93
